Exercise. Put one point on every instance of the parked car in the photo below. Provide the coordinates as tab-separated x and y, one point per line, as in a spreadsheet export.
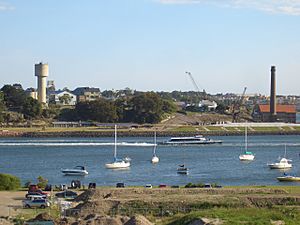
162	186
120	185
35	195
38	203
66	194
148	186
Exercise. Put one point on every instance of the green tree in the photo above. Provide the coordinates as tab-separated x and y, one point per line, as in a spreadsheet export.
31	108
13	97
145	108
42	182
100	110
2	106
65	99
9	182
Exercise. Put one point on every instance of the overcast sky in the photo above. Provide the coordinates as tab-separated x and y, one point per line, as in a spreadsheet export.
149	44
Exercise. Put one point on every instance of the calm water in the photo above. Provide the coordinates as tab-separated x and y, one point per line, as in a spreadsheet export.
29	158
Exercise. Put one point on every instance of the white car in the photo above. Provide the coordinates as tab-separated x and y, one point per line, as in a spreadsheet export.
38	203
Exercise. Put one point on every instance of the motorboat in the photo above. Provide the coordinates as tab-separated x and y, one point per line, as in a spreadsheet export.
283	163
247	155
155	158
76	171
195	140
118	163
182	169
287	177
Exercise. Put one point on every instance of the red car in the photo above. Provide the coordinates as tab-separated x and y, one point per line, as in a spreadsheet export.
162	186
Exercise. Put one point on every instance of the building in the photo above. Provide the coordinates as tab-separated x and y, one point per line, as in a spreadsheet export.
284	113
211	105
62	98
87	94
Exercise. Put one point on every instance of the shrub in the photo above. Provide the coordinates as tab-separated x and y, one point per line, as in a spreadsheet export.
9	182
42	182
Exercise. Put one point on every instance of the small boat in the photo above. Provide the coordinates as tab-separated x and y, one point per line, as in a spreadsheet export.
155	158
76	171
182	169
118	163
283	163
287	177
247	155
195	140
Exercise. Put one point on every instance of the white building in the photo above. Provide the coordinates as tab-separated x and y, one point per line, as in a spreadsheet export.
62	98
211	105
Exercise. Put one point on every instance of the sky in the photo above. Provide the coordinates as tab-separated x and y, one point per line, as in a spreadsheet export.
148	45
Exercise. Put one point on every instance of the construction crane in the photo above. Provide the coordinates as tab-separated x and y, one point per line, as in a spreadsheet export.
195	85
236	108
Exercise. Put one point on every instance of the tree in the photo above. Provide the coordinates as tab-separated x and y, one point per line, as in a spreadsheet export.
9	182
31	108
13	97
2	106
65	99
100	110
145	108
42	182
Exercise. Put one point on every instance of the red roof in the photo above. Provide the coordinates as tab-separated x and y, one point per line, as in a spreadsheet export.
279	108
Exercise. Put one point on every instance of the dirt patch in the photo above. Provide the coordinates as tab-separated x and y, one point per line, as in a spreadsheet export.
138	220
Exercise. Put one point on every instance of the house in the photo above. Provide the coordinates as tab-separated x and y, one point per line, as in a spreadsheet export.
62	98
211	105
284	113
87	94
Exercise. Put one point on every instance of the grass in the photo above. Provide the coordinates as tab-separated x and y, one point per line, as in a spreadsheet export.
231	216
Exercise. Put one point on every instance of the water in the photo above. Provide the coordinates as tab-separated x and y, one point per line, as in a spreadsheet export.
30	158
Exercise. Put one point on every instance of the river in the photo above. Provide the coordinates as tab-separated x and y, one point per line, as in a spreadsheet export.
29	158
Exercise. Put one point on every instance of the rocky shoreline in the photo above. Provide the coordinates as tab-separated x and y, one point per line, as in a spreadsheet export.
91	134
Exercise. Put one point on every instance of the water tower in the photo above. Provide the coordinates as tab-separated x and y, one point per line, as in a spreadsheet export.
41	71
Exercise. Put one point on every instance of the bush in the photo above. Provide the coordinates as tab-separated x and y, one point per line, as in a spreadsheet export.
9	182
42	182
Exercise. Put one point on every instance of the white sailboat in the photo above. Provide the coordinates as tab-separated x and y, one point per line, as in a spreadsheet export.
155	158
283	163
117	163
247	155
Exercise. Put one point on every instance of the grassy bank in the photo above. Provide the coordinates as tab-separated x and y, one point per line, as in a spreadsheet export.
146	132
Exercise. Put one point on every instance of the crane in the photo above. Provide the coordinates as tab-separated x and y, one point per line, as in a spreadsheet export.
236	108
195	85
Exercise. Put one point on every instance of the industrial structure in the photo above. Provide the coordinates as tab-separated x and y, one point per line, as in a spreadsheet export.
274	112
41	71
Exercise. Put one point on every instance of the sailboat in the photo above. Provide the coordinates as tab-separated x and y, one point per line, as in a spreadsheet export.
154	159
283	163
247	155
117	163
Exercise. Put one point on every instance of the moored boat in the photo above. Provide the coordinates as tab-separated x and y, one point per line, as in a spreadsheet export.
76	171
288	178
182	169
118	163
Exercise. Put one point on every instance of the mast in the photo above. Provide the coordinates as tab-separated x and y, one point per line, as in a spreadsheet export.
154	143
246	145
115	150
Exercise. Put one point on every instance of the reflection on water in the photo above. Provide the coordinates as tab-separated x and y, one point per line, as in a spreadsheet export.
30	158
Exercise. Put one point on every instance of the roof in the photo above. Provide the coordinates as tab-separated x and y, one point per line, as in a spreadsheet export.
279	108
82	90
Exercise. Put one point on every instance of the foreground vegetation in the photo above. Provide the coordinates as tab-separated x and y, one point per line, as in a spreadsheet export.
236	216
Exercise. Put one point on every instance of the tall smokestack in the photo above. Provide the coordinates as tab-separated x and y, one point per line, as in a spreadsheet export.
273	94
